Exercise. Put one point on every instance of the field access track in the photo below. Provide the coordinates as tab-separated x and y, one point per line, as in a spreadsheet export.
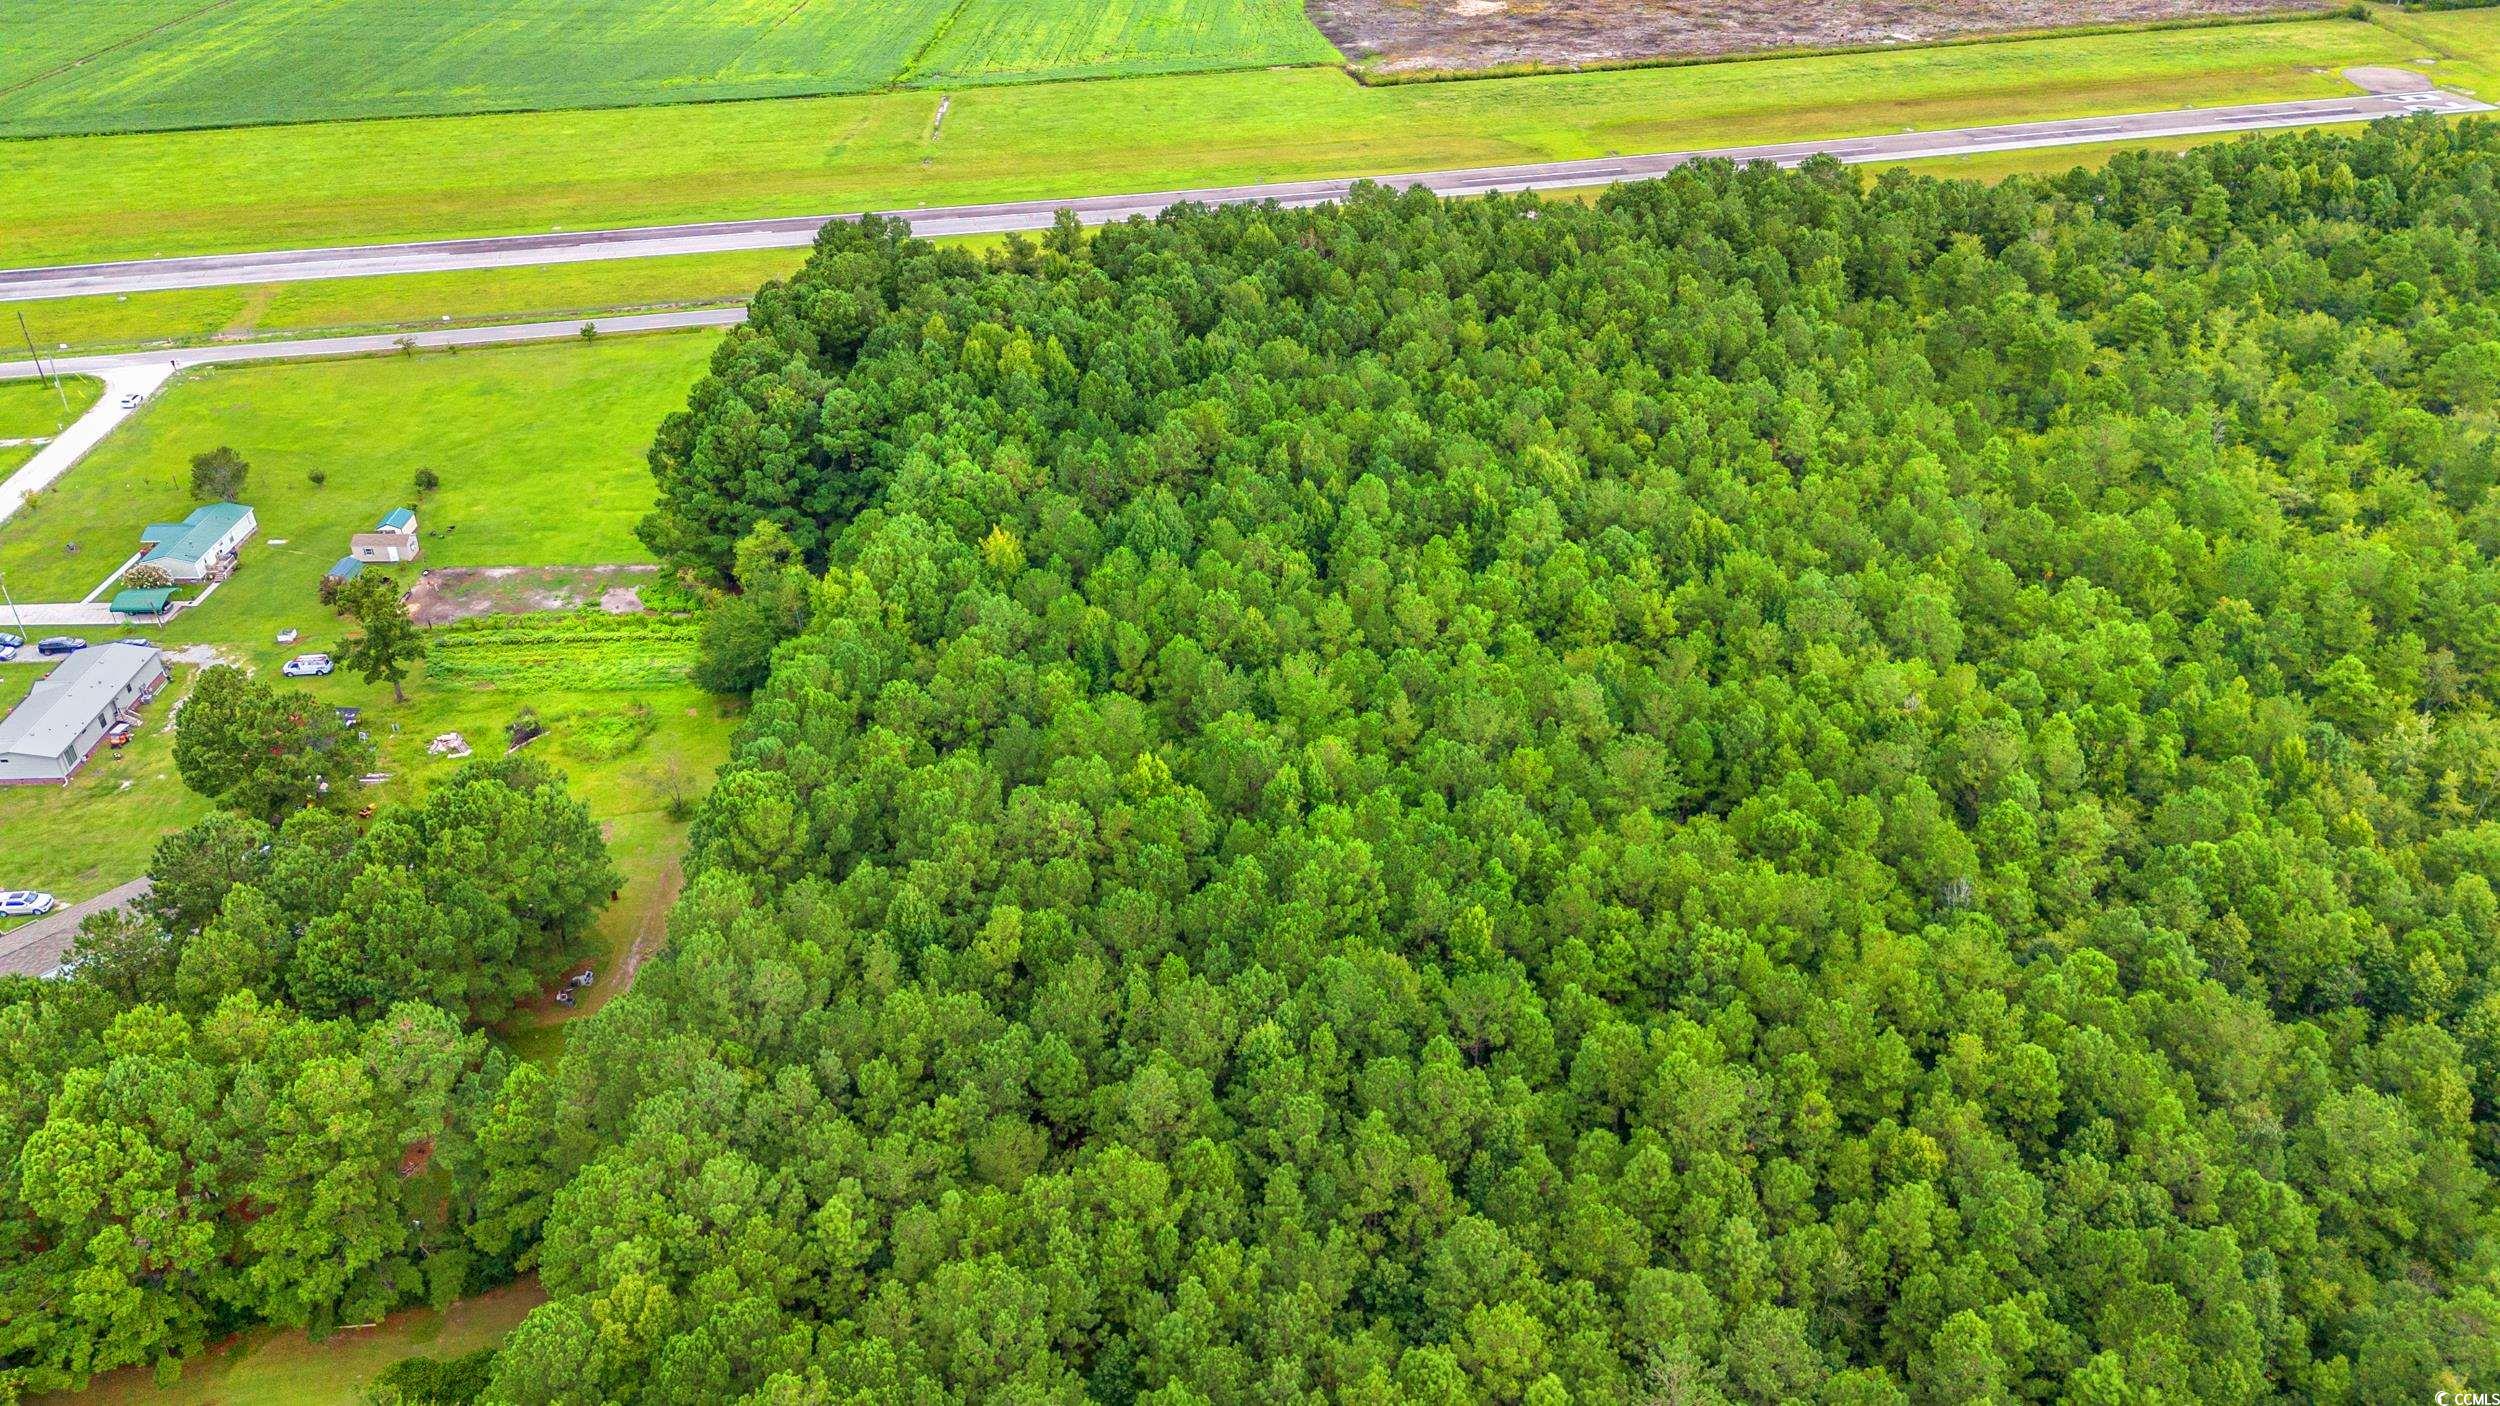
360	261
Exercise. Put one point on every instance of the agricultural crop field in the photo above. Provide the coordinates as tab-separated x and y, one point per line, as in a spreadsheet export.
137	65
279	187
1006	41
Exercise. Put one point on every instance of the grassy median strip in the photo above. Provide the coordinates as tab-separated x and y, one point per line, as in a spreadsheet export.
275	187
343	306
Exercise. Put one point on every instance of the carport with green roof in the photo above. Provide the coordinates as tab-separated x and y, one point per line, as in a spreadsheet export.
151	602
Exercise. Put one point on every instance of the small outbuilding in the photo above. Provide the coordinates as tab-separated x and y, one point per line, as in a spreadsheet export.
55	728
202	546
392	539
347	569
145	604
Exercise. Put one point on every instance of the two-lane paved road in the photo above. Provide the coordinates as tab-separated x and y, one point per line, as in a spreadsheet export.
434	256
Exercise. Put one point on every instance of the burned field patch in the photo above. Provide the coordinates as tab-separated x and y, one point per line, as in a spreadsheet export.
1411	38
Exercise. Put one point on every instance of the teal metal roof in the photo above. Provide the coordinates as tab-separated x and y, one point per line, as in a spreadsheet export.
348	566
190	539
397	518
148	602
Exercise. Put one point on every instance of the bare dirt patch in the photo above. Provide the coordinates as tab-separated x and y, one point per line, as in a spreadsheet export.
1425	36
465	592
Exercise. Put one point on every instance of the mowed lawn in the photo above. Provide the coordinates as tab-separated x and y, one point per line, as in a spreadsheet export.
540	451
277	187
145	65
40	409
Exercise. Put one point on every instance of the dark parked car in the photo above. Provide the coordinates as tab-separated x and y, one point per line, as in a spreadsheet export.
60	644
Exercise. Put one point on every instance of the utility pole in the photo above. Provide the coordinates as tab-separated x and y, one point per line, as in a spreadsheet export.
6	598
37	357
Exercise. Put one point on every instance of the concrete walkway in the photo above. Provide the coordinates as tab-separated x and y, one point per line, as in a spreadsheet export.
39	948
39	614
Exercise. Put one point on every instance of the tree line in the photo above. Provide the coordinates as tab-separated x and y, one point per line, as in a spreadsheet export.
265	1095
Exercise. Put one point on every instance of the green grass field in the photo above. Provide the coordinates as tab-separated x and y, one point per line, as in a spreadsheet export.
273	187
269	1368
39	409
146	65
540	451
2465	43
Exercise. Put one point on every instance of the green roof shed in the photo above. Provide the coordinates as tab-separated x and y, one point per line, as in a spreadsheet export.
149	602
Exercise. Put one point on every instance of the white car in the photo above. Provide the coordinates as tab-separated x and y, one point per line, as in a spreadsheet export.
25	903
305	666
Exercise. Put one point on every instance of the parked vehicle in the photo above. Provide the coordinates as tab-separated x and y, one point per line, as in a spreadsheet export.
119	734
583	978
25	903
132	400
305	666
60	644
7	653
9	641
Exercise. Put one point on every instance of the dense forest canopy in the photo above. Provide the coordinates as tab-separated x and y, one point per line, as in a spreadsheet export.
1771	790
